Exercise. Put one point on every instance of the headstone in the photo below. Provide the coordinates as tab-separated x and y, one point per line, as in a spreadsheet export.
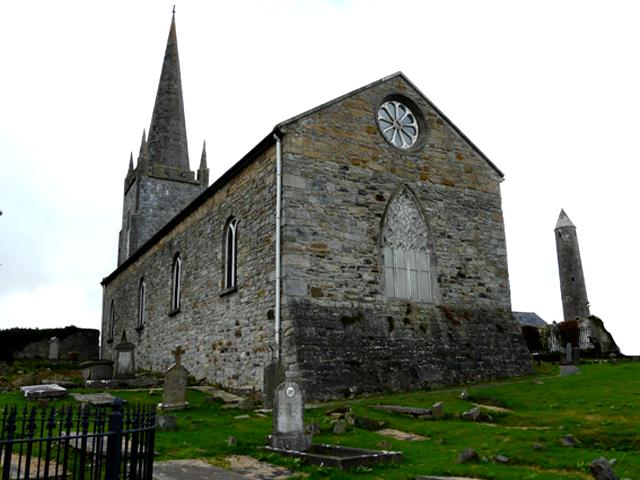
50	390
125	365
174	394
54	348
438	410
569	353
288	419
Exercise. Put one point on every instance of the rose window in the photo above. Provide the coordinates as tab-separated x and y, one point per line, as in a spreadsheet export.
398	124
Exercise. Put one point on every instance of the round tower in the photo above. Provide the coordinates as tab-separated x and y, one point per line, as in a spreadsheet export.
575	304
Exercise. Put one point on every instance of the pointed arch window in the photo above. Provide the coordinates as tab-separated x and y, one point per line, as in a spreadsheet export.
141	303
231	253
406	250
176	280
112	320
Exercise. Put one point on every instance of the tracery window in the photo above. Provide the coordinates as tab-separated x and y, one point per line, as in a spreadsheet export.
230	253
176	283
407	257
141	303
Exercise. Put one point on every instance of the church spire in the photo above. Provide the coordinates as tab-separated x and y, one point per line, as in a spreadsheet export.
130	163
203	171
167	142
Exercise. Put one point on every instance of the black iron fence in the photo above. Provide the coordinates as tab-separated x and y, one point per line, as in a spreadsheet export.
76	442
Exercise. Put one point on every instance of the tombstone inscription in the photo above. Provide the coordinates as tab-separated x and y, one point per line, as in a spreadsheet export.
288	419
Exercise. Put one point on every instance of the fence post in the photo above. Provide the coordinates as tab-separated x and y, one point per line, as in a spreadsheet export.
114	442
9	430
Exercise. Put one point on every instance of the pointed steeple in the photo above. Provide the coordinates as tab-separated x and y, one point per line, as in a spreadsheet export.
203	171
564	220
143	155
130	163
168	135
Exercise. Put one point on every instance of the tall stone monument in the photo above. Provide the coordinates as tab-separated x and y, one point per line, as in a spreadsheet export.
174	394
288	419
54	348
125	365
575	305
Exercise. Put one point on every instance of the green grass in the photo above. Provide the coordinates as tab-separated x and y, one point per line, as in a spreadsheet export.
600	407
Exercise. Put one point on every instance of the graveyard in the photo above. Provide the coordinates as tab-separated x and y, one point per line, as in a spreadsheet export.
552	425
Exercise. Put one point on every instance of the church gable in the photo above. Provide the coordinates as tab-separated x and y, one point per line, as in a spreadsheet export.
354	120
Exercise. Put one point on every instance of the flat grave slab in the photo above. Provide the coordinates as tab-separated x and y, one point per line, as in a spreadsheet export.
98	399
413	411
400	435
50	390
344	458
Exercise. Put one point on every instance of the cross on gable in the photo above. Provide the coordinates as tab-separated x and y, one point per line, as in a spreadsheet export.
178	353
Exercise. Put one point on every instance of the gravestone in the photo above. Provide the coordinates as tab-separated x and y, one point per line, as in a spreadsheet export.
174	394
125	365
54	348
50	390
288	419
97	369
569	354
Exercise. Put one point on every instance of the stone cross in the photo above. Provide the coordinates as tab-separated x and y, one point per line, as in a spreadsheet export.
288	419
177	353
174	393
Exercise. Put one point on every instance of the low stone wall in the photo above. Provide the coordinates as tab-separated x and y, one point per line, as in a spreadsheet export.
83	341
340	351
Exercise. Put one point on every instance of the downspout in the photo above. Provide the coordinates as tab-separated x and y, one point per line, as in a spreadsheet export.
278	252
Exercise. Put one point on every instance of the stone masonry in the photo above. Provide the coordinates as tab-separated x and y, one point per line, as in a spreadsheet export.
342	331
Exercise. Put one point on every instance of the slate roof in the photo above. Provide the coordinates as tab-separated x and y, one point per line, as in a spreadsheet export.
529	318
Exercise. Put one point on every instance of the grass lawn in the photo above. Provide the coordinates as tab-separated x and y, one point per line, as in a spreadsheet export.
600	408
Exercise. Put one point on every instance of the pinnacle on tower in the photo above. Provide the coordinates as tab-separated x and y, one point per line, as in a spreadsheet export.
130	163
203	171
167	142
143	155
564	220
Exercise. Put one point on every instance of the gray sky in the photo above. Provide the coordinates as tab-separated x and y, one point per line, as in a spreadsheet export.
547	89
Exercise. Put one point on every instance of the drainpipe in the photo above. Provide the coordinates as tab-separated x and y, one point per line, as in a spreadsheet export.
278	252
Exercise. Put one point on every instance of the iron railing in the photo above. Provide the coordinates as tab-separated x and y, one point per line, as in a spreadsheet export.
81	442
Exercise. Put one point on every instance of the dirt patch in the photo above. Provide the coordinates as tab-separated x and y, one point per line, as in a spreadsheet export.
256	470
400	435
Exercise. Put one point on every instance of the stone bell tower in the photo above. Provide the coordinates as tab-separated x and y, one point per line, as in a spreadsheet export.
162	183
572	287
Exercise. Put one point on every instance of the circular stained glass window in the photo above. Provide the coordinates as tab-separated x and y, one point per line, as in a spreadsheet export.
398	124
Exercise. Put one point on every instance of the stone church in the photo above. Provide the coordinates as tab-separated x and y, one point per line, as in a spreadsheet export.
359	246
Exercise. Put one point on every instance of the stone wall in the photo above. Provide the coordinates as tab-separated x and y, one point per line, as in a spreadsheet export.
227	336
149	204
84	342
339	175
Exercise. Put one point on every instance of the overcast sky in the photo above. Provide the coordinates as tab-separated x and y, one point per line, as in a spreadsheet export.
549	90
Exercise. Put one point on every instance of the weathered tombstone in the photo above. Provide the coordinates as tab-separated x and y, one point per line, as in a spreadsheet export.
54	348
50	390
569	353
174	394
288	419
125	365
